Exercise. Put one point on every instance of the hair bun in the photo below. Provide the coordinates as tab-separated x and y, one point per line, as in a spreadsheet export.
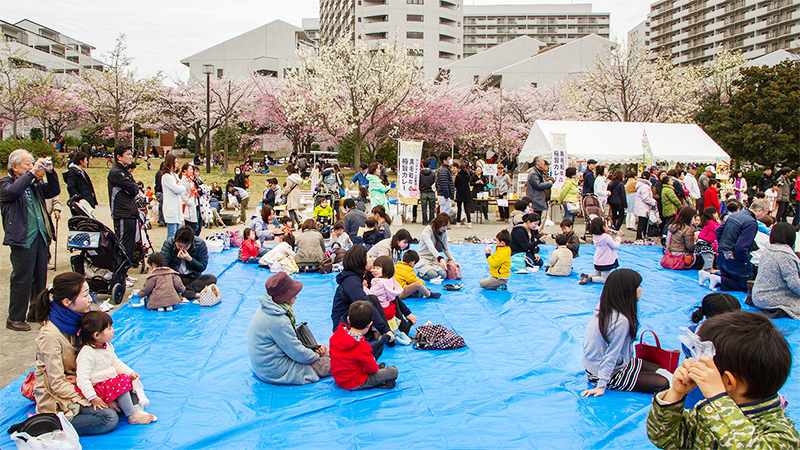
697	314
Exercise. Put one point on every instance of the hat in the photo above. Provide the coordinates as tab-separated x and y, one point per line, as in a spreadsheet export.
282	288
591	161
711	169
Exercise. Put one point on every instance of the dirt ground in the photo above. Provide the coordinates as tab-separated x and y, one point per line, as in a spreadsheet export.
18	349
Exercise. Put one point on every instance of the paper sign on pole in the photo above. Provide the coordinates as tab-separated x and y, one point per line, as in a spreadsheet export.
647	152
723	168
314	177
490	170
559	161
408	161
522	183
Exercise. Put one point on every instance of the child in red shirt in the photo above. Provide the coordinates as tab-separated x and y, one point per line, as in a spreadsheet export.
249	247
353	365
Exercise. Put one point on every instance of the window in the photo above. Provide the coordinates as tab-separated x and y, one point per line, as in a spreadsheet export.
476	78
415	2
416	52
415	18
219	73
73	59
414	35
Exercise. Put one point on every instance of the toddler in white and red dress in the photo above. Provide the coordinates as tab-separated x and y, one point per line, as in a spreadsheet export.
101	377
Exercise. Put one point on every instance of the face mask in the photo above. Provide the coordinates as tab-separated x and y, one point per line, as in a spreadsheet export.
237	172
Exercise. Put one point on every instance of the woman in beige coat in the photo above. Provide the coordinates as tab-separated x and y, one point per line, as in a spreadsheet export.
310	245
291	191
59	310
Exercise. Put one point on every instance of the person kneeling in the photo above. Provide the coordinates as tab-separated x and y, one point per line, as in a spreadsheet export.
352	364
560	264
742	408
412	286
188	255
499	263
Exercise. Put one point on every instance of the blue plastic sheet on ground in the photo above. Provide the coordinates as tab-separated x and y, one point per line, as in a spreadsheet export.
517	383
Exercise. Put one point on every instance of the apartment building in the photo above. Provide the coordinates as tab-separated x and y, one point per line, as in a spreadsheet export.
268	50
47	49
640	34
691	31
431	29
488	25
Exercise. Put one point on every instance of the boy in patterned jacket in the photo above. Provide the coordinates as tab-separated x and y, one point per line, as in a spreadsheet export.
742	408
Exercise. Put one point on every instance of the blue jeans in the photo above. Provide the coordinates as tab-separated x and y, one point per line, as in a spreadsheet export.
567	214
160	198
171	229
796	220
91	421
428	205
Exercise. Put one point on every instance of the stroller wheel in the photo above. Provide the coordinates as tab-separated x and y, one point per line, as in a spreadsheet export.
117	293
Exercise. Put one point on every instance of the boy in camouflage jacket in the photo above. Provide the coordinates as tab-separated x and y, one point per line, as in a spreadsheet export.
742	407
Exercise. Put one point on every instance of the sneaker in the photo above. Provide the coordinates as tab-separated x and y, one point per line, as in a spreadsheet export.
638	242
502	288
160	309
435	295
129	283
387	385
585	279
131	279
168	308
458	225
469	225
184	301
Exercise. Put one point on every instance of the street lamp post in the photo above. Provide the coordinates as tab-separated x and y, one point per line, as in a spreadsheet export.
207	69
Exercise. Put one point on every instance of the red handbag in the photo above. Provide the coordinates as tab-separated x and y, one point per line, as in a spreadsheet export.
27	386
666	359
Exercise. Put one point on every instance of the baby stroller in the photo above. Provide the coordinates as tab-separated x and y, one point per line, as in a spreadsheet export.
102	258
79	207
325	224
592	208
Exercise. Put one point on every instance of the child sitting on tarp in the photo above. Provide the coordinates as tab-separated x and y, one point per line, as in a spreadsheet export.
387	290
163	287
560	264
275	258
370	235
353	366
740	383
405	275
339	243
499	263
249	251
573	241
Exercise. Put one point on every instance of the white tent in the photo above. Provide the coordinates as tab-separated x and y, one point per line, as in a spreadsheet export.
621	142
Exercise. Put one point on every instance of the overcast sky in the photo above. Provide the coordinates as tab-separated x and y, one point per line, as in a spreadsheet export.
161	32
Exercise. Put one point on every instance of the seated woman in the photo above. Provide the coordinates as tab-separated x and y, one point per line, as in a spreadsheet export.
276	354
310	245
59	310
260	224
681	237
777	285
351	289
392	248
383	222
432	242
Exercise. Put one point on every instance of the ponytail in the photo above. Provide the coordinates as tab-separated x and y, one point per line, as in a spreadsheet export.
41	306
67	285
697	315
381	211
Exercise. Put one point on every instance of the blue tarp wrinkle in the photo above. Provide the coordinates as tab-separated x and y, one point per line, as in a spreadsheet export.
516	384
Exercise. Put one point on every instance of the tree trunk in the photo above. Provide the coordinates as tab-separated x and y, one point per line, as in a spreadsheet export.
225	164
357	142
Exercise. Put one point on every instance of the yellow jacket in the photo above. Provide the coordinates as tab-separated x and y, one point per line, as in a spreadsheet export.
404	274
500	262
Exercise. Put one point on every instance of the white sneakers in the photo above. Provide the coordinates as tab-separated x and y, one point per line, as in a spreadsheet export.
469	224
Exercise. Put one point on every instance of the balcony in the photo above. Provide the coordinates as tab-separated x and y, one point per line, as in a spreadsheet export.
447	5
447	22
447	39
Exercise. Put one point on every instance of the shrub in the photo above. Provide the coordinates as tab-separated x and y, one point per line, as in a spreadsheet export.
39	149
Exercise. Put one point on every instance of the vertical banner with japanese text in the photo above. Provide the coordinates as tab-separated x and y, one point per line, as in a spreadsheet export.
647	153
408	161
559	161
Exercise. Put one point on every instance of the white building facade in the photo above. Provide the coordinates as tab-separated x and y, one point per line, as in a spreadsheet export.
47	49
430	29
640	34
692	31
268	50
488	25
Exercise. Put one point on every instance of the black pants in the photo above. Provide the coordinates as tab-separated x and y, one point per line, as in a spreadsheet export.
503	209
617	216
295	218
466	210
125	229
783	211
664	224
28	278
641	228
734	274
195	285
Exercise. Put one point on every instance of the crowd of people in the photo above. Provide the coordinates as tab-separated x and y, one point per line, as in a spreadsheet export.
377	272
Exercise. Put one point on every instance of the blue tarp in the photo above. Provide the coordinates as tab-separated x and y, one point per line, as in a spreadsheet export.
517	383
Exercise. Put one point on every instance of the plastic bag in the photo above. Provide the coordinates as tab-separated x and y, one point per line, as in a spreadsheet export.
64	439
696	346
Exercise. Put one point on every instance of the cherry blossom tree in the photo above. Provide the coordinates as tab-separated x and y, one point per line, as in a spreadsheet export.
232	97
58	107
20	84
350	89
271	115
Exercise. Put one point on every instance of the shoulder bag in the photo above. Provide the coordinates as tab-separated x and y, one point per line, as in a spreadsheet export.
666	359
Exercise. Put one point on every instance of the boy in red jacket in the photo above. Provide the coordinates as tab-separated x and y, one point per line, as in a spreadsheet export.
352	364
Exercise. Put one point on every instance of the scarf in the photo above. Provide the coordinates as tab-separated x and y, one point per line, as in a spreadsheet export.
64	318
289	312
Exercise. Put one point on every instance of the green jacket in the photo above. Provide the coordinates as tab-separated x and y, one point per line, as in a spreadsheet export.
377	192
669	201
569	191
718	422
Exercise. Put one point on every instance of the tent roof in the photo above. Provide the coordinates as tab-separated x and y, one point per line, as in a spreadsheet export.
621	142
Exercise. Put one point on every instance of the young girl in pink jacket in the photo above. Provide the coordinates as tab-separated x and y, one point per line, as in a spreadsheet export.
706	244
605	252
387	290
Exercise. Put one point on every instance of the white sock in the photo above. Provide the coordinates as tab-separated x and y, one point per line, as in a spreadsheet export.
138	388
664	373
703	277
713	281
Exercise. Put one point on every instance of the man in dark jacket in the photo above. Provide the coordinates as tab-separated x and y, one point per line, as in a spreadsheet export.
588	178
188	255
159	195
536	185
525	239
427	197
351	290
765	181
28	231
122	190
735	237
445	188
353	219
77	180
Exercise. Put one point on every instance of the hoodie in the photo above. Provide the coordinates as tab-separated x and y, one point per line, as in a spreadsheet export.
162	288
426	180
351	359
276	354
351	290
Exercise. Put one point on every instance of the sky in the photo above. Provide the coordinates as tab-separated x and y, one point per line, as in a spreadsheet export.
162	32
